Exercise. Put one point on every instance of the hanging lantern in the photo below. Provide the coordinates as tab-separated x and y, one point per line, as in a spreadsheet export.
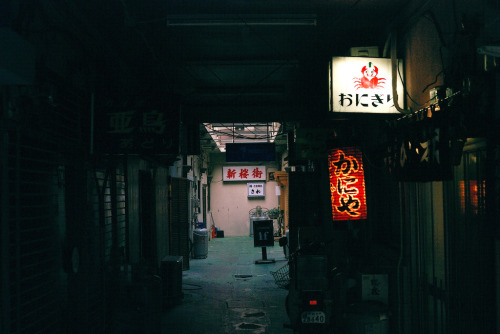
347	184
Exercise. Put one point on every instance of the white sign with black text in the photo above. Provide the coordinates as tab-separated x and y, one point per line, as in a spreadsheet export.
256	189
364	85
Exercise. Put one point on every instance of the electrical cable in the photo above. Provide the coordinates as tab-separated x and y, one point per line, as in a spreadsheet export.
241	136
230	134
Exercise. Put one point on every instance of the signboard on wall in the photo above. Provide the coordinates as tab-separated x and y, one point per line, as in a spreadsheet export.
256	189
363	85
347	184
245	152
150	127
244	173
425	147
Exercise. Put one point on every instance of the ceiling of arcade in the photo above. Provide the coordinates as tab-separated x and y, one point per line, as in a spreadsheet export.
227	61
237	65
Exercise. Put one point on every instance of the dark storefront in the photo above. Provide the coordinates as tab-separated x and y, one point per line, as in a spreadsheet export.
104	169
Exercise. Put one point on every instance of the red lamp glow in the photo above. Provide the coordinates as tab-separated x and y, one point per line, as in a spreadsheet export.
347	184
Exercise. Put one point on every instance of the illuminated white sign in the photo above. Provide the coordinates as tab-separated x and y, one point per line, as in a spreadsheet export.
363	85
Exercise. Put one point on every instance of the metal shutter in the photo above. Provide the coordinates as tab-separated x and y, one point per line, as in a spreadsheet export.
39	141
109	199
179	222
34	254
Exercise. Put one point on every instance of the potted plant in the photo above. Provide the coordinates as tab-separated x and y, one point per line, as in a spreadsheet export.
273	213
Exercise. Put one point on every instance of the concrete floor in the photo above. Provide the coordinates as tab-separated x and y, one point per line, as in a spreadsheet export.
228	293
223	293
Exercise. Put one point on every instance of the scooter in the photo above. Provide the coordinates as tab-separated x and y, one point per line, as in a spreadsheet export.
309	302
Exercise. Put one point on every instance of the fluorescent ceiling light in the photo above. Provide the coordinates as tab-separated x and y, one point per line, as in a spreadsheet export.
240	20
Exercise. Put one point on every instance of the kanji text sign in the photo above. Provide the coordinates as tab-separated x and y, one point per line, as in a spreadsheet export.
347	184
152	128
263	235
363	85
255	189
244	173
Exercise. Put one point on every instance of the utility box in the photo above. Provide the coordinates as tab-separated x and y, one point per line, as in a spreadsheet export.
364	51
171	277
375	287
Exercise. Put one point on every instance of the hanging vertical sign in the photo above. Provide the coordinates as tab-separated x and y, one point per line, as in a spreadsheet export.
363	85
347	184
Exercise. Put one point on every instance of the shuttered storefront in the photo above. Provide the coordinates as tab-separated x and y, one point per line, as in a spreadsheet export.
34	253
40	141
109	201
106	246
471	229
179	222
64	219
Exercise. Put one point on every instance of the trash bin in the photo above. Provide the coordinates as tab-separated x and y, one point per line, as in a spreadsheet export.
367	317
200	243
200	225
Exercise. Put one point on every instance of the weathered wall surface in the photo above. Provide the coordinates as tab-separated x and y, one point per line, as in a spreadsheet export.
229	203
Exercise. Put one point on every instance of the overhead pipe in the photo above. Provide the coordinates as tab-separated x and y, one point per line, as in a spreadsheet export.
92	111
5	308
395	64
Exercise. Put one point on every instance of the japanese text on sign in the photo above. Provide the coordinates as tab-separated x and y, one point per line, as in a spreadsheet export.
263	233
244	173
347	184
137	131
255	189
148	129
361	84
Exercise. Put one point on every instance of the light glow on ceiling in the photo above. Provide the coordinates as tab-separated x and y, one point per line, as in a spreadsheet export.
223	133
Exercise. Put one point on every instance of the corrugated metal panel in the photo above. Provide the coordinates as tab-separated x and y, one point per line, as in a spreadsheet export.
34	252
471	245
450	239
48	196
179	222
38	143
121	212
109	198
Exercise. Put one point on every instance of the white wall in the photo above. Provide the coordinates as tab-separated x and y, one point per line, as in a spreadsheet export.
229	203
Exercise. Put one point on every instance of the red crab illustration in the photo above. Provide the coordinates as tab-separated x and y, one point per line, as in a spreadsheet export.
369	79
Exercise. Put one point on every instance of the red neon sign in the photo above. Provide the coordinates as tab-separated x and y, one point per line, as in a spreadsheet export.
347	184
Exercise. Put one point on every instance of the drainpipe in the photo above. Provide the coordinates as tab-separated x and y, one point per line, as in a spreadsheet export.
92	110
4	234
395	65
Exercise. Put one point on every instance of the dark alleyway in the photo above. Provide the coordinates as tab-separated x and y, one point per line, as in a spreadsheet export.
373	128
224	293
